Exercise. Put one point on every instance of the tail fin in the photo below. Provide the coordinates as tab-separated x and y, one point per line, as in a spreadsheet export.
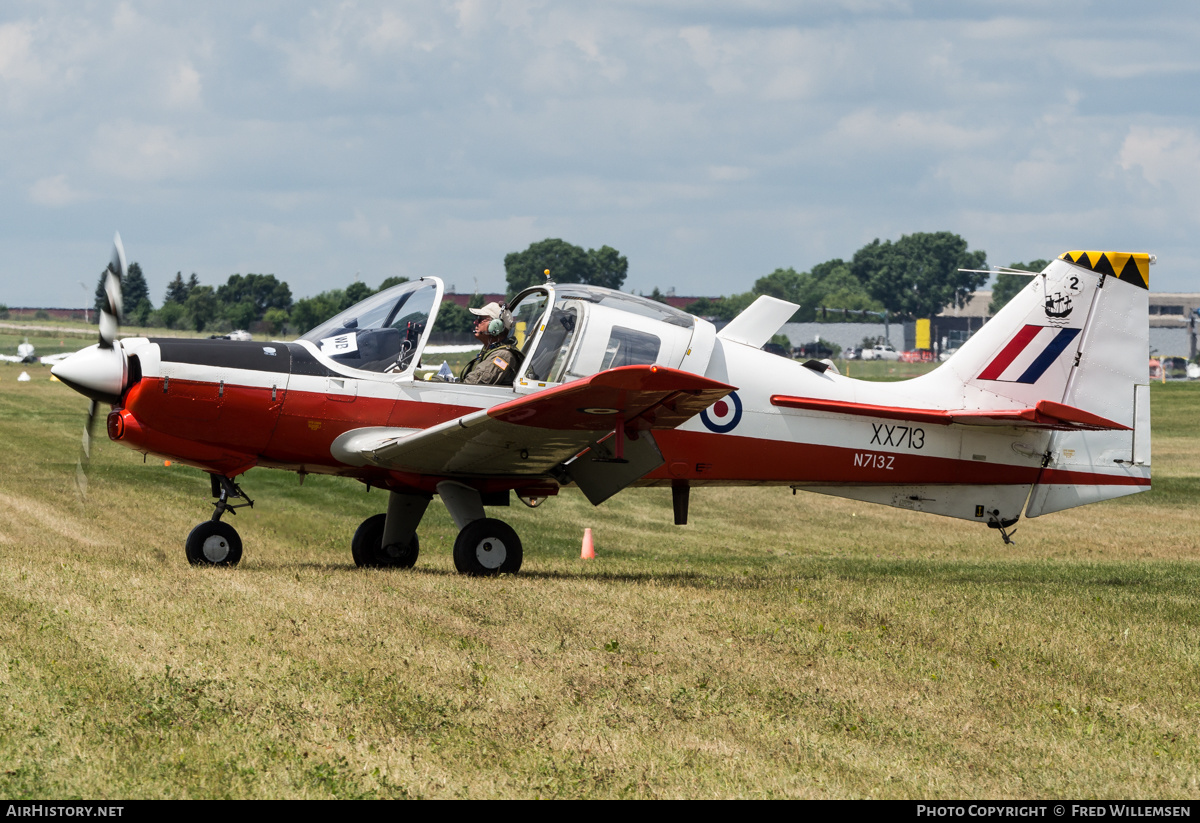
1078	334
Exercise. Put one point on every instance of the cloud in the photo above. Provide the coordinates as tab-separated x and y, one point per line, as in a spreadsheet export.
1164	155
362	230
319	138
1168	158
142	152
54	192
184	88
16	59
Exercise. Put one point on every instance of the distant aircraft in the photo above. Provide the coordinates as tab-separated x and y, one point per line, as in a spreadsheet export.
1045	408
24	354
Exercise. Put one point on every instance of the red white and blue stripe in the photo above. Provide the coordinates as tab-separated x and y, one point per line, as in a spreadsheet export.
1029	354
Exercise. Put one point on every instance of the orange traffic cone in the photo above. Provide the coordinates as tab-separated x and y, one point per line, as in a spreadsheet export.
589	551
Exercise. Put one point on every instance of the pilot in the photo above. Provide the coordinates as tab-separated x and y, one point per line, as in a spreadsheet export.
497	363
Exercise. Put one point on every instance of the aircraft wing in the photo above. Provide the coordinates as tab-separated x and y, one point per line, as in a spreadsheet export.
535	434
10	358
1045	415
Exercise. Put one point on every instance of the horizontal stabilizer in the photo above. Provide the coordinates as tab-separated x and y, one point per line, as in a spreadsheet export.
759	322
1045	415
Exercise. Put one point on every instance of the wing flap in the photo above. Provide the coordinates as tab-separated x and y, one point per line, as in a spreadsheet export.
1045	415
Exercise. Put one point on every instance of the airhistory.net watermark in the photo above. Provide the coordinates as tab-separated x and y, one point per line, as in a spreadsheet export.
51	810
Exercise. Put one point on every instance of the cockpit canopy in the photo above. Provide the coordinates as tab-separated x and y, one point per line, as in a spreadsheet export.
383	333
566	332
570	331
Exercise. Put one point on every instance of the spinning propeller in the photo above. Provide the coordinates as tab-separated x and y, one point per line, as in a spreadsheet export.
98	372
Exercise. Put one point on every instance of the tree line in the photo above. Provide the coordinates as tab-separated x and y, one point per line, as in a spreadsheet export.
918	275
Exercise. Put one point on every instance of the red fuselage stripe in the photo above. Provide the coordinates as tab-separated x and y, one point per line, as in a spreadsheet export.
243	424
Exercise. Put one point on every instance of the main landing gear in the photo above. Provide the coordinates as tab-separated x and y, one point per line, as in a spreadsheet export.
485	546
214	543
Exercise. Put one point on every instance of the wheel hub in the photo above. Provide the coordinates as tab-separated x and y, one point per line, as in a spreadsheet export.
491	553
216	549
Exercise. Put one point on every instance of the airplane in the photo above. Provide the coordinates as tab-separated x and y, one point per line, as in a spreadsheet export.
1044	408
24	354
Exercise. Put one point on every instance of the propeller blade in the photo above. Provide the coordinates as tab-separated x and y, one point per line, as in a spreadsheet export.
97	369
85	451
110	314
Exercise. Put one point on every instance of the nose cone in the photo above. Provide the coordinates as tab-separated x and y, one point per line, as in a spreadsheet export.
95	372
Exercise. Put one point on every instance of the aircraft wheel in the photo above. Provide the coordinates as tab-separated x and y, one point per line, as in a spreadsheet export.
214	543
369	551
487	547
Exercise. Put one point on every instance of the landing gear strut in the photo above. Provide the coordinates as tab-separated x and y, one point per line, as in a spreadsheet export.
390	540
214	543
1005	527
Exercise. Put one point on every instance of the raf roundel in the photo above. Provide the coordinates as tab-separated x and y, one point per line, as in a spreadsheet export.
724	415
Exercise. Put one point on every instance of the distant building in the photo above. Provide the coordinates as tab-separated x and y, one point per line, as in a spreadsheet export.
1173	321
463	299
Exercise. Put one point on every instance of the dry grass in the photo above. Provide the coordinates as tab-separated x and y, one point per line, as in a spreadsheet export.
780	646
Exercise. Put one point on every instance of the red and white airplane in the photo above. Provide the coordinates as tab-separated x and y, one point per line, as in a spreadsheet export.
1045	408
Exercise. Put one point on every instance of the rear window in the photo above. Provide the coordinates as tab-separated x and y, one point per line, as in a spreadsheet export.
627	347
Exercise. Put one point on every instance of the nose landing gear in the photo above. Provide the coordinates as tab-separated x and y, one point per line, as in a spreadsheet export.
213	543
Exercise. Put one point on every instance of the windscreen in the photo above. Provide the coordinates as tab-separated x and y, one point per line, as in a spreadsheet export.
382	333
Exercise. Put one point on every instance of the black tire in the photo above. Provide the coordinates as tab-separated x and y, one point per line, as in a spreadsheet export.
369	551
487	547
214	543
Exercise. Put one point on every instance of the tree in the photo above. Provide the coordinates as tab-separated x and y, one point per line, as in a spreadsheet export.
276	320
358	291
178	291
845	291
828	285
310	312
801	288
607	267
134	293
1007	285
919	275
721	308
170	315
202	307
453	318
567	264
240	315
262	291
391	281
135	296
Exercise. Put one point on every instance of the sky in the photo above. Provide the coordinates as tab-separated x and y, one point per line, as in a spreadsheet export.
709	142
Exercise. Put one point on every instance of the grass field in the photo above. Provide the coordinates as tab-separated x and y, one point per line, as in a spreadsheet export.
780	646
